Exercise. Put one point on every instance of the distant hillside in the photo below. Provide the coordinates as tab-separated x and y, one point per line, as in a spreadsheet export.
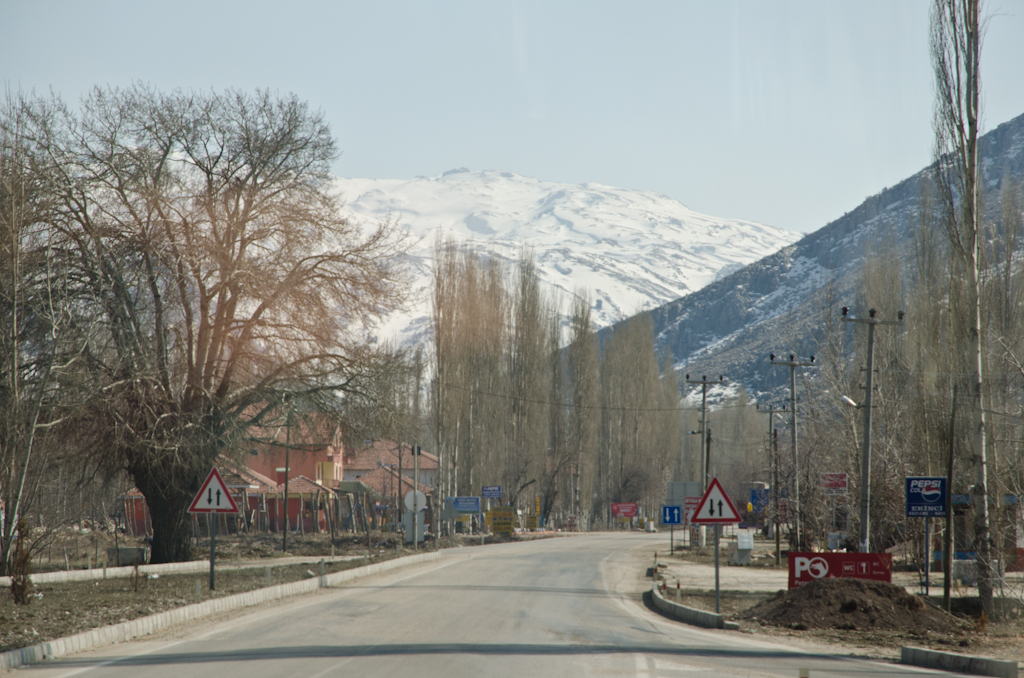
730	326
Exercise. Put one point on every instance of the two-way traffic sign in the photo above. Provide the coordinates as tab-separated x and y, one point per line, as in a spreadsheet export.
671	515
715	506
213	496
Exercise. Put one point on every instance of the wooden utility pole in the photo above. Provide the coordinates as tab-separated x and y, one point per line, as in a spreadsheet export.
794	503
705	448
865	467
773	451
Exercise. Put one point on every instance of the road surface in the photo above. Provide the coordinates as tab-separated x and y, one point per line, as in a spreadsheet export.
554	607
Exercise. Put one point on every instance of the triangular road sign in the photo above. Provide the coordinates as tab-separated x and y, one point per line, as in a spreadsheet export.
213	496
715	506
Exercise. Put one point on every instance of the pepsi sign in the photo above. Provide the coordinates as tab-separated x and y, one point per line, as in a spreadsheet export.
926	496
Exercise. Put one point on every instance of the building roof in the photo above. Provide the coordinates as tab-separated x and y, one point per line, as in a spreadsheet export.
386	453
234	476
385	482
300	485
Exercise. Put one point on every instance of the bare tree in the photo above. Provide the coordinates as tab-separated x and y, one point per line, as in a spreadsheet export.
956	62
204	244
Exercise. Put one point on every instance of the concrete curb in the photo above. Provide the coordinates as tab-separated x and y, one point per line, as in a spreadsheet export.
949	661
143	626
689	615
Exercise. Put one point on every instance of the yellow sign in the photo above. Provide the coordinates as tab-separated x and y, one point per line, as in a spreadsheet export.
503	519
537	503
531	522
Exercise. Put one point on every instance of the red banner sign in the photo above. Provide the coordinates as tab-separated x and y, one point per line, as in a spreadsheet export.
625	510
806	567
833	483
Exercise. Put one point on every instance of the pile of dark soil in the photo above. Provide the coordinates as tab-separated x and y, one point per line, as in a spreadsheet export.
852	604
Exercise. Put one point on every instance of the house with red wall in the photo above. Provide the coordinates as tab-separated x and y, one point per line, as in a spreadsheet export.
312	448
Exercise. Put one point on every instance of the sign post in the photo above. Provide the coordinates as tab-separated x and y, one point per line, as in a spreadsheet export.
214	498
715	508
671	516
926	496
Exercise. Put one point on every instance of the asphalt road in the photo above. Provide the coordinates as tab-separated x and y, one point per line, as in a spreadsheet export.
555	607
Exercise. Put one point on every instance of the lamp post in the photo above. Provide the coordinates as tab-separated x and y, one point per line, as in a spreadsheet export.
865	467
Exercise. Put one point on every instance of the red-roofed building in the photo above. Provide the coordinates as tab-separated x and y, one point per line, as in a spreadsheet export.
388	454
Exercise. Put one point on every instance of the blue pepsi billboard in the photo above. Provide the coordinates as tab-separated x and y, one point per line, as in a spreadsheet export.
926	496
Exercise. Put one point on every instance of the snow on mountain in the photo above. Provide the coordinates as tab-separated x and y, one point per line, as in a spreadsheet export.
628	250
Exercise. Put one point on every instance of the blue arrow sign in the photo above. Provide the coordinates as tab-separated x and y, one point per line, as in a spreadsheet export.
671	515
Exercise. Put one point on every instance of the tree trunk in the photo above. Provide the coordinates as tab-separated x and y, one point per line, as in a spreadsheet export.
171	524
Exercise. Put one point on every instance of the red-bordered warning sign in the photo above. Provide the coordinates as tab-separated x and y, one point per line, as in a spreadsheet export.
715	506
213	496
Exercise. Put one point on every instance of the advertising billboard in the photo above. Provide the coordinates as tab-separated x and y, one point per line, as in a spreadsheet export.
806	567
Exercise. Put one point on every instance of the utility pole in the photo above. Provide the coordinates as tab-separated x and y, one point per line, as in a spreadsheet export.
415	497
773	445
705	448
794	363
705	462
865	466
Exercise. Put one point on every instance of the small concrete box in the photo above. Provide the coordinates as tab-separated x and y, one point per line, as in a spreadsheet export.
740	550
128	555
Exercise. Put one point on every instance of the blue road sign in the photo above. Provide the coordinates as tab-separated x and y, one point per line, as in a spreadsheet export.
926	496
466	504
671	515
491	491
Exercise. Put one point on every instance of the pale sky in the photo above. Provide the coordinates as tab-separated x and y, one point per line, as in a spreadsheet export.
787	113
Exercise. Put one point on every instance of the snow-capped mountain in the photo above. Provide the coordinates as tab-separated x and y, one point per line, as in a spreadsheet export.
628	250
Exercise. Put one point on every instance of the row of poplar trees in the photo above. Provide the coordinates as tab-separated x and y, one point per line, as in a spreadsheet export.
524	399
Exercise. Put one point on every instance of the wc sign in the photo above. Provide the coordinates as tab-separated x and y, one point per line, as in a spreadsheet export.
926	496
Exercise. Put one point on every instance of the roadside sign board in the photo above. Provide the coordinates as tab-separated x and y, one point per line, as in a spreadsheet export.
213	496
503	519
833	483
806	567
671	515
466	504
491	491
926	496
715	506
688	508
625	509
678	490
531	522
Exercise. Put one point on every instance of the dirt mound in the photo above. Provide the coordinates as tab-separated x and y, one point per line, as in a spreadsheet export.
852	604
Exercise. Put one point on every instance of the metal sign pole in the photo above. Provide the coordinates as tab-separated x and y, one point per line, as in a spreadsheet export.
927	556
210	521
718	603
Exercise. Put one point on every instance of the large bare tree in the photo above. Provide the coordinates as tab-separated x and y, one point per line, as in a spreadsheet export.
204	243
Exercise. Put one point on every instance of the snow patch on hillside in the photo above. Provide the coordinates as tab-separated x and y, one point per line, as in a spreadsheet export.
627	250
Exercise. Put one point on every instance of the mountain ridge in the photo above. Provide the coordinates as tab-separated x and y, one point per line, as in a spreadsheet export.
630	250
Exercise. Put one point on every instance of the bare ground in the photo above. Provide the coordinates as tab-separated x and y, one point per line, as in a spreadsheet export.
839	613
